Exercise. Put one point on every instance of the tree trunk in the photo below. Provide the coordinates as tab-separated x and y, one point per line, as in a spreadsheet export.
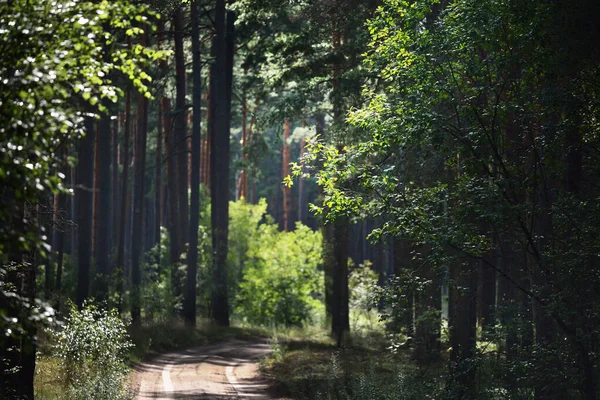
462	327
402	265
115	185
58	236
427	317
302	202
172	192
138	201
120	270
96	192
340	318
104	211
180	145
486	293
85	184
189	310
285	170
243	189
220	97
158	202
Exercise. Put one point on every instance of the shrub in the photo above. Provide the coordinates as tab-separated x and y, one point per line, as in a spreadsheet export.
92	346
362	283
281	283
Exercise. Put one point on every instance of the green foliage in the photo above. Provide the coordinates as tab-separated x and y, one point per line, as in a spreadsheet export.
362	285
158	299
281	283
479	134
59	64
370	385
93	346
244	233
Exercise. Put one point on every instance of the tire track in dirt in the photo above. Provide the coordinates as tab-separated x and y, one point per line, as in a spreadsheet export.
221	371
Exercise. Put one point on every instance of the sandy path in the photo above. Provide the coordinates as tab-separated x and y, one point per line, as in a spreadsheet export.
222	371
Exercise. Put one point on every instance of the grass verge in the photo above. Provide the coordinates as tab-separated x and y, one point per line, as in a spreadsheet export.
364	368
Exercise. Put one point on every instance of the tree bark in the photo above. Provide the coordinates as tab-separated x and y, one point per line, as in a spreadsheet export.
138	202
462	327
180	145
220	95
402	265
285	170
302	201
124	201
192	258
104	211
115	185
85	184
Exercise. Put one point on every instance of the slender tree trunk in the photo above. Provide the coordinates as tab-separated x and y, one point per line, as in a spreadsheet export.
115	185
172	192
85	184
285	168
158	178
402	265
427	317
302	202
181	146
190	297
209	135
74	199
486	293
124	201
104	210
96	192
340	318
462	327
327	234
138	202
243	186
220	95
58	236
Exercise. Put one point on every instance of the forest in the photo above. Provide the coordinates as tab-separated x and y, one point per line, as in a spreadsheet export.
300	199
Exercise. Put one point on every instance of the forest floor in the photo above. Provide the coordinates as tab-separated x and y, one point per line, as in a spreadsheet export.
220	371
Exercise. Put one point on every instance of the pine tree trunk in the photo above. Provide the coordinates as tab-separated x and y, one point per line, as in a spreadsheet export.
115	185
85	184
285	169
220	95
462	327
104	210
402	265
192	258
180	145
58	236
340	318
124	201
486	293
172	192
158	179
138	202
427	317
96	192
302	203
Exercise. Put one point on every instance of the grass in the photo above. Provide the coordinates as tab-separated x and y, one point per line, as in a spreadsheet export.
49	382
311	367
170	335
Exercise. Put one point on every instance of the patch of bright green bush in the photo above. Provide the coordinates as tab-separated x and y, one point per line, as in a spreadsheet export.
281	283
93	346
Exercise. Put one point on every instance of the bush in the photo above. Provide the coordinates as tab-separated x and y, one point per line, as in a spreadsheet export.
281	283
362	283
93	346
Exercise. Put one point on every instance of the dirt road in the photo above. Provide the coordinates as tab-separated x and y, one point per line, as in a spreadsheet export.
222	371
